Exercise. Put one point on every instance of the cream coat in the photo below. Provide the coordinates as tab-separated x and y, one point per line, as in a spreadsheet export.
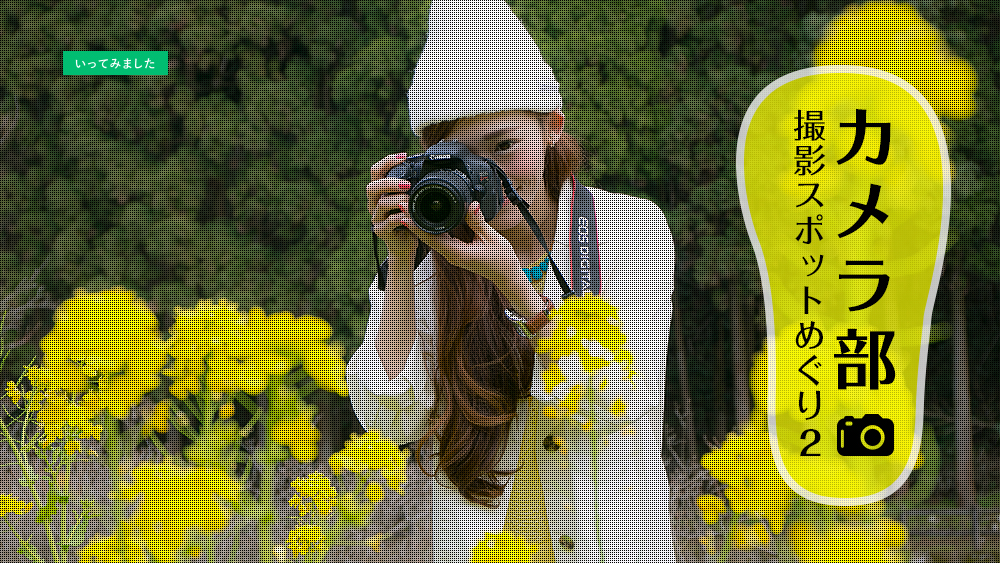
637	266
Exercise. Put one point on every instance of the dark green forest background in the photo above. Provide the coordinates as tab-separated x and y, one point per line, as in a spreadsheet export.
241	173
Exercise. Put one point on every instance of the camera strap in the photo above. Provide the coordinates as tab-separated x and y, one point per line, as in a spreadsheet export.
583	243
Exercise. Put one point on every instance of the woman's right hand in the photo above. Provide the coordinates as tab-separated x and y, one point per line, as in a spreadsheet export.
388	204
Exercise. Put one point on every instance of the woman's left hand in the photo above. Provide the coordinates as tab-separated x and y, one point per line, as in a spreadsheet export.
489	254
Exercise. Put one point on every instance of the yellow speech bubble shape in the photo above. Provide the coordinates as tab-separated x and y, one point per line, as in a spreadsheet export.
845	187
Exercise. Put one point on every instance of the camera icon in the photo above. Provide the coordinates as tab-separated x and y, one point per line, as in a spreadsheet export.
870	435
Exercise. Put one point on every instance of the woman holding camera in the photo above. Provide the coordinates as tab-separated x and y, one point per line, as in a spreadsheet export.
444	368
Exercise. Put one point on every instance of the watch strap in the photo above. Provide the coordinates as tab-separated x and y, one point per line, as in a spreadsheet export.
541	319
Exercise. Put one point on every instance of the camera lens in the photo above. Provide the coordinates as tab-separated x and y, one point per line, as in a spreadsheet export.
434	207
438	203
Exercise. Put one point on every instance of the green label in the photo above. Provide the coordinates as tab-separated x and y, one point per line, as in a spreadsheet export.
135	63
844	180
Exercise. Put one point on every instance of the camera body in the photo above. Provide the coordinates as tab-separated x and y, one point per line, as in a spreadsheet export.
445	180
871	435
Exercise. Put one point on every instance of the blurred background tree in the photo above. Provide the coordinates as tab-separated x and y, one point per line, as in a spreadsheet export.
240	174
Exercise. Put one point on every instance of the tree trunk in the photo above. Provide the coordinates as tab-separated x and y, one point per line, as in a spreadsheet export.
329	433
741	373
720	389
687	413
964	476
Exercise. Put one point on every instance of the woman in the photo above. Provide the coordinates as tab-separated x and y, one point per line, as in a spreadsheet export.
441	365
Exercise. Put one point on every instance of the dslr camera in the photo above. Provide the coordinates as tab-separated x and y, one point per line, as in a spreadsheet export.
870	435
445	180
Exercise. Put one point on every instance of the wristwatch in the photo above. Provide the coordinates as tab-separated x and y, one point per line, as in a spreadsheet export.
529	329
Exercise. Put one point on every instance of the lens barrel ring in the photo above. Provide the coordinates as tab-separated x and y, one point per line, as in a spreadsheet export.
439	201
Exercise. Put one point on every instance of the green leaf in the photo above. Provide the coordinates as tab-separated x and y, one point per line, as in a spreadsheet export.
940	332
46	513
78	533
28	553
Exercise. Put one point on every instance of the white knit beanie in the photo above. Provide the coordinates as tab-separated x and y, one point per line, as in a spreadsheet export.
478	59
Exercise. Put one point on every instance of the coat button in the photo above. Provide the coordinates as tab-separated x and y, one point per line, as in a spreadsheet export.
549	443
566	541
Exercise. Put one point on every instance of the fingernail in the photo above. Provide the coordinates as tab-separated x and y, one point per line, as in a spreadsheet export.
401	208
404	185
399	156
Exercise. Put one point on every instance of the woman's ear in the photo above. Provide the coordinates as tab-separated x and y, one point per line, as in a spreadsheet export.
554	122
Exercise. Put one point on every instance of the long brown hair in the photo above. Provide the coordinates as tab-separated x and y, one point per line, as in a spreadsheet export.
483	365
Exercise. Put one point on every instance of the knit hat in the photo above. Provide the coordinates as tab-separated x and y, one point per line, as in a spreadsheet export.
478	59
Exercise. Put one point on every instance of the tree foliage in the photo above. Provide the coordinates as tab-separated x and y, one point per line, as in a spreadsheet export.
240	173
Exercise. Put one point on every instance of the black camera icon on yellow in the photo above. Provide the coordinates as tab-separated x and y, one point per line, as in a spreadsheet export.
868	435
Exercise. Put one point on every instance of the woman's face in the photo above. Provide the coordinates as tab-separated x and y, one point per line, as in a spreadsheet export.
516	141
